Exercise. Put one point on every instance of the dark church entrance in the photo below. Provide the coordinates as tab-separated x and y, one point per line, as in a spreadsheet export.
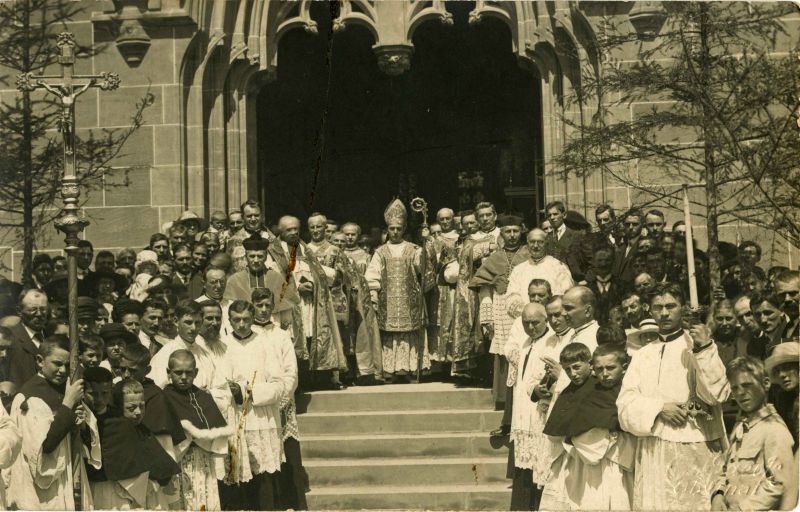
337	135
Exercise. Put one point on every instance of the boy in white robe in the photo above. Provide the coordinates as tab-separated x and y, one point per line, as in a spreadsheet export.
593	470
46	412
265	369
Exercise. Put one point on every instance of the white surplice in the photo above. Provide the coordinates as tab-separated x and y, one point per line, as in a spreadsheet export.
10	446
548	268
528	417
266	363
44	481
675	466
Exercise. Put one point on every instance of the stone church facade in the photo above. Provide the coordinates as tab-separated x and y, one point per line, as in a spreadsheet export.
204	62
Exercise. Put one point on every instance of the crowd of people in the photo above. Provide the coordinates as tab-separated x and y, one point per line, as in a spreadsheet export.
616	394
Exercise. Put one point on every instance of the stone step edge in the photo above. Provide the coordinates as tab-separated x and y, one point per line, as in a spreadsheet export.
371	390
402	461
411	489
392	436
395	412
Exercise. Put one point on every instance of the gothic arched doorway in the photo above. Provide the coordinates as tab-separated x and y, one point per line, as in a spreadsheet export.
463	123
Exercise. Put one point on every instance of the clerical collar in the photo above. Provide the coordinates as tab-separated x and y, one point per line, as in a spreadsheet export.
264	324
511	249
236	336
603	279
584	326
534	340
562	333
666	338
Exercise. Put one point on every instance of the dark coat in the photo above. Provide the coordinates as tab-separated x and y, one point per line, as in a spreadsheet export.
623	265
567	250
22	357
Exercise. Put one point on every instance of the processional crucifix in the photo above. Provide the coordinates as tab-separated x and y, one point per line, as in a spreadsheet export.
66	87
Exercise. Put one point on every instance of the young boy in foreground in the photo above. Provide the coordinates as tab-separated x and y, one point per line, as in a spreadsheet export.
758	464
202	454
594	460
135	466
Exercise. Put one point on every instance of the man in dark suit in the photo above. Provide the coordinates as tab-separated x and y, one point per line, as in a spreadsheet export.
564	238
627	252
603	238
600	280
34	311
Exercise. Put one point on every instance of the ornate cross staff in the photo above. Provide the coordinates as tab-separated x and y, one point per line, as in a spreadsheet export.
67	87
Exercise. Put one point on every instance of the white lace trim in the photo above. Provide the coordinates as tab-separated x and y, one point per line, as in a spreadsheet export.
265	450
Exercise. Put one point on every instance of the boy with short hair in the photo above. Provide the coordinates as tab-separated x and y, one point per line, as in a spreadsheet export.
99	383
46	410
758	463
202	454
135	466
91	350
593	468
158	416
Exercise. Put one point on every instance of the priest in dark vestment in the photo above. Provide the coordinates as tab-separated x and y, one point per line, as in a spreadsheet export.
240	285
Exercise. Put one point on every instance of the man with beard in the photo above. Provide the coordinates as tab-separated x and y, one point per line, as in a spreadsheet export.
312	318
104	262
28	334
253	223
491	281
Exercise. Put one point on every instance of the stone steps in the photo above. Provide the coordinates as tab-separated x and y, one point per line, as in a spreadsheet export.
379	422
434	444
424	446
400	397
430	497
406	471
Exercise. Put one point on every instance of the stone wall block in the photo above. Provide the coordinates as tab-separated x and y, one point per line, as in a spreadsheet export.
122	226
128	186
167	186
